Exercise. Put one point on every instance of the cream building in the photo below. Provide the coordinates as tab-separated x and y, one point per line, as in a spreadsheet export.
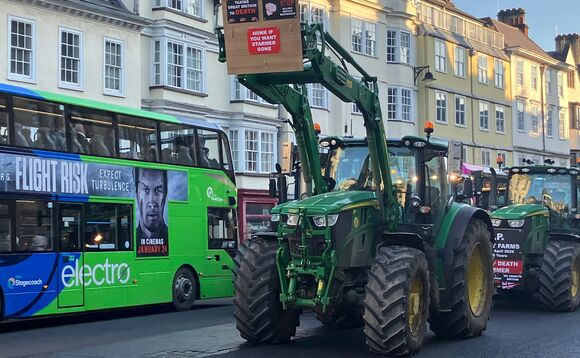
540	94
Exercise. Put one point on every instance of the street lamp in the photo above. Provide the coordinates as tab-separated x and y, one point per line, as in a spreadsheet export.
428	75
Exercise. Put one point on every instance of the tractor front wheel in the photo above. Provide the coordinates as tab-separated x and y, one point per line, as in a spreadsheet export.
560	276
258	311
396	301
471	286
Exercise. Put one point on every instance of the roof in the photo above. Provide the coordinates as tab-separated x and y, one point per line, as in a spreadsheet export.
450	6
111	4
559	55
514	37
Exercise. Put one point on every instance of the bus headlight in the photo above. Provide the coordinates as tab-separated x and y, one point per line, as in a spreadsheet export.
516	223
292	220
275	218
496	222
320	221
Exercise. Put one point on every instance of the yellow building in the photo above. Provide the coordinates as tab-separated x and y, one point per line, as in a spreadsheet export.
470	98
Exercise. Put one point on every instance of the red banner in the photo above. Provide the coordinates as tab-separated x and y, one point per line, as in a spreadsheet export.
263	41
511	267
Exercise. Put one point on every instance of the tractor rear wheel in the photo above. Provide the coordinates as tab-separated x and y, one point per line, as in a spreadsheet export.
258	311
396	301
560	276
471	286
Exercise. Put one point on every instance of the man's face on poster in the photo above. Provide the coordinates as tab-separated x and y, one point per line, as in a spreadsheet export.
151	195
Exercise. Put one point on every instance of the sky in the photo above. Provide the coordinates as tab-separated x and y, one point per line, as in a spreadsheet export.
545	18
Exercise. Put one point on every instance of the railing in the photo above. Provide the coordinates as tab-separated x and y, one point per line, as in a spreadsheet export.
470	29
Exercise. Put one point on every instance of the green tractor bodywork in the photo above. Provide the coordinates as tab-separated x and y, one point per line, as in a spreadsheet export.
537	248
353	255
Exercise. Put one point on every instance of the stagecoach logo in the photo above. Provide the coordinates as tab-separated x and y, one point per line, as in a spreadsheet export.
98	274
13	282
211	195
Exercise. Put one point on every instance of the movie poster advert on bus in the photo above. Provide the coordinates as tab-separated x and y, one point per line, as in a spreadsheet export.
508	259
242	11
150	188
279	9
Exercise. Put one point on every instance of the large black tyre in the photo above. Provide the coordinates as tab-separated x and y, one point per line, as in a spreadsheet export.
559	276
471	286
184	288
258	311
396	304
342	317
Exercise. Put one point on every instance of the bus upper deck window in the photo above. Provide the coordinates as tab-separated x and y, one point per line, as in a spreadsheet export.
177	144
208	149
137	138
38	124
5	227
92	133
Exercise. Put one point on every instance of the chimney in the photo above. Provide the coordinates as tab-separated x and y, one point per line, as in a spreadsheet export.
515	18
573	40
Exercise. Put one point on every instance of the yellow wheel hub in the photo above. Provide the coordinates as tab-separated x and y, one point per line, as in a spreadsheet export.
477	285
575	279
414	305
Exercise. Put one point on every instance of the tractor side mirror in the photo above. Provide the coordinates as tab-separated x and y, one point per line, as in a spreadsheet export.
493	190
272	188
468	188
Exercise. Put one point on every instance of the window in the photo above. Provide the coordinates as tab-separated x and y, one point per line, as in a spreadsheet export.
242	93
310	14
482	68
503	157
562	125
189	7
499	119
575	118
571	77
108	227
406	104
178	144
520	72
34	230
486	157
459	62
113	76
499	73
521	108
251	151
92	132
363	37
483	116
550	122
460	111
22	47
355	109
70	58
5	226
560	84
534	77
181	67
234	142
38	124
208	153
441	99
405	47
464	153
316	15
535	122
318	95
548	81
440	56
391	45
267	152
137	138
392	98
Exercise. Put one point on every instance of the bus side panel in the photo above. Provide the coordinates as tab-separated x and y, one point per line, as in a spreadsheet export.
29	283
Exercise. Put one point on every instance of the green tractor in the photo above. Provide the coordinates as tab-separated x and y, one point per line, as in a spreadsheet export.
351	252
537	245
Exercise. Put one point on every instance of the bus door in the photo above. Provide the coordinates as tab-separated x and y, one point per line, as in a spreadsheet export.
70	262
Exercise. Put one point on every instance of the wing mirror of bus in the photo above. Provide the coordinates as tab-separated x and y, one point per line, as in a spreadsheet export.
272	186
468	188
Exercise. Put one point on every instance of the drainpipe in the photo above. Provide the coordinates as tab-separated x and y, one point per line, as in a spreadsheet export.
136	7
542	69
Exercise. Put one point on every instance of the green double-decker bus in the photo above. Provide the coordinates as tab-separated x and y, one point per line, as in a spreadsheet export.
103	206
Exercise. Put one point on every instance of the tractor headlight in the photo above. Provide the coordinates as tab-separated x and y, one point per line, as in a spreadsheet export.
321	221
496	222
292	220
275	218
516	223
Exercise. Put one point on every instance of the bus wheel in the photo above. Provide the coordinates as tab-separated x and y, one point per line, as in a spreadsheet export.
183	289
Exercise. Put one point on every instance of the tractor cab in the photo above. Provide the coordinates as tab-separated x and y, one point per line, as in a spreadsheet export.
419	172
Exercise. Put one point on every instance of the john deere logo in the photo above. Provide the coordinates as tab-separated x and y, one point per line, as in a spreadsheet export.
11	282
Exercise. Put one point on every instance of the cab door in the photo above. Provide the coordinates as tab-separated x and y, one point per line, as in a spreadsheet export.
70	261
